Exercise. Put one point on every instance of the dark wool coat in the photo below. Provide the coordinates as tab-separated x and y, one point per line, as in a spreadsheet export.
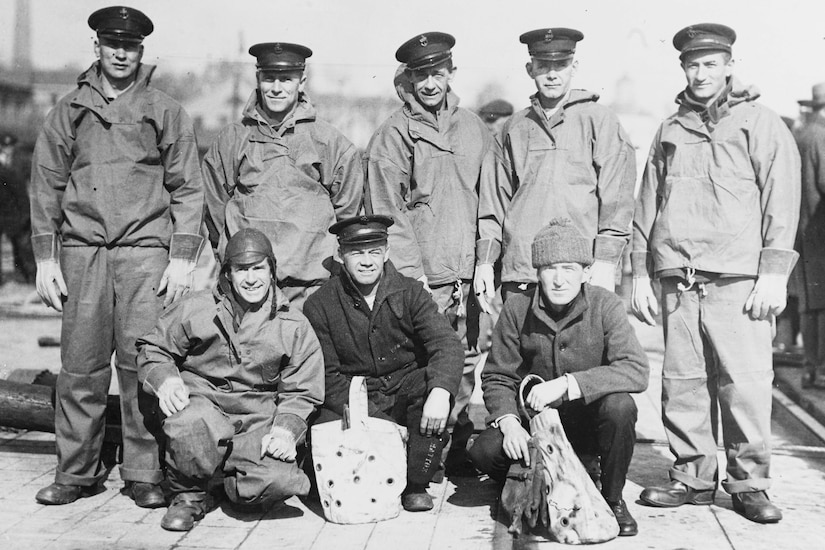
593	342
401	333
811	141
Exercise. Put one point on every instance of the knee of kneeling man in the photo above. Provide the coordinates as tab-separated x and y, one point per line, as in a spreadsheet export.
619	407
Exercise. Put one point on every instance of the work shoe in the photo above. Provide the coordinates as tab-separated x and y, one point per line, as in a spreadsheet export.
416	499
145	495
185	510
756	506
627	525
675	494
58	493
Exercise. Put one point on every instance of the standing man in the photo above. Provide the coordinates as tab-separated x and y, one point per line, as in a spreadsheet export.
117	204
564	156
374	322
423	169
284	172
236	372
811	141
15	222
715	222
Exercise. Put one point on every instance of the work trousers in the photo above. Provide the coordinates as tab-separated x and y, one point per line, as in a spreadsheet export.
463	313
405	407
112	300
717	360
606	428
218	435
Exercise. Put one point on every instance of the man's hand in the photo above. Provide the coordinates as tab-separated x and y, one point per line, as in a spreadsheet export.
176	280
643	301
768	297
173	396
603	274
484	286
515	439
279	443
547	393
50	284
435	413
425	282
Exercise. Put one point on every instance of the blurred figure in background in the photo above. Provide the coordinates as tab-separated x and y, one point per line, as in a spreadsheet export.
15	222
495	114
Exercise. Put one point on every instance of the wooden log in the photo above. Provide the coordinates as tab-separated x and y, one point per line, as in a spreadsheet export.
26	406
577	511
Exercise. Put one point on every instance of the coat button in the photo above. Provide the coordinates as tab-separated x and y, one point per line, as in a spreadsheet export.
562	347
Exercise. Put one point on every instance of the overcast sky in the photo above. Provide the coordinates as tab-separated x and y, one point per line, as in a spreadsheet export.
780	48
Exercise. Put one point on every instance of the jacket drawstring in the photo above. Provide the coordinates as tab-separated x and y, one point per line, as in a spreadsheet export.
690	277
458	298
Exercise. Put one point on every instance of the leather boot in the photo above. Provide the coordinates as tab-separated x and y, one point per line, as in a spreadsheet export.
58	493
627	525
185	510
416	499
675	494
145	495
756	506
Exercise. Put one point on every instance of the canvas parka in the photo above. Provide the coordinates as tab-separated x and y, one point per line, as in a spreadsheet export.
579	164
273	355
291	182
402	332
116	173
593	342
719	197
424	170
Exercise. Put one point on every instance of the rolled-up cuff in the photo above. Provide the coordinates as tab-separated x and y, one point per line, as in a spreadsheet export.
777	261
157	375
608	249
487	251
185	246
44	247
292	423
641	264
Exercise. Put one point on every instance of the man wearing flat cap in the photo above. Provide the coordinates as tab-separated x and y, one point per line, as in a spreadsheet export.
495	114
563	156
116	210
423	169
374	322
15	221
810	139
715	223
284	172
237	372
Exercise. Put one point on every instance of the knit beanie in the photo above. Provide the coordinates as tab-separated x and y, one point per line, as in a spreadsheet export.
559	242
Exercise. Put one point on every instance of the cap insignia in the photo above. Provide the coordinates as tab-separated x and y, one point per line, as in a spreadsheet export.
423	41
278	48
548	36
693	33
124	13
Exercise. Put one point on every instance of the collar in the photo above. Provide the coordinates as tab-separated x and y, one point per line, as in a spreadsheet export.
711	112
415	110
389	284
304	111
91	79
575	309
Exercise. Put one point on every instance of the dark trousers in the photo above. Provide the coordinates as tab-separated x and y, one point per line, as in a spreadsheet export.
405	407
606	427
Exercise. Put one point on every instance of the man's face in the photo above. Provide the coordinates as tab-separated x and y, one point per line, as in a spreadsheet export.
562	282
552	77
364	262
251	283
119	60
707	73
430	85
280	90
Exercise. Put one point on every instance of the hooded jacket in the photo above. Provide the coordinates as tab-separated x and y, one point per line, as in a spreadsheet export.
719	195
291	182
402	332
116	173
268	354
579	164
424	171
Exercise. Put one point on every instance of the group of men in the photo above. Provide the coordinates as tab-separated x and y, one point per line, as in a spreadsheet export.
335	264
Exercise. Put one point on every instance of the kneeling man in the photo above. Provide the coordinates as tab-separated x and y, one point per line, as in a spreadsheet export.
236	372
577	337
374	322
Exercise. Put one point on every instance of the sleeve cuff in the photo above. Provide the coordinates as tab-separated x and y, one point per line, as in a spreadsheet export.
292	423
157	375
639	262
573	390
495	423
777	261
487	251
44	247
608	249
185	246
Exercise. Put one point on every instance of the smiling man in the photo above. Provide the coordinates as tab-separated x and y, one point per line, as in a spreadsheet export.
374	322
576	337
564	155
236	372
116	210
715	223
284	172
